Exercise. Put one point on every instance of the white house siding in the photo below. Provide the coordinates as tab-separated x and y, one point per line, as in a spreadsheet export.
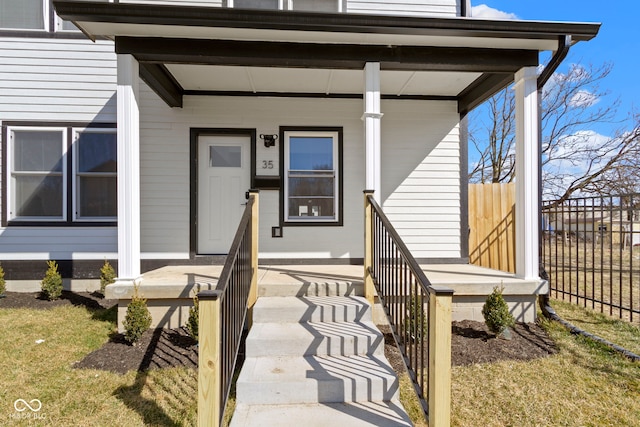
57	80
443	8
420	172
421	175
387	7
214	3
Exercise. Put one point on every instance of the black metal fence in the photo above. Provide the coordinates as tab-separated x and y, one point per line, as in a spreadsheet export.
404	292
591	252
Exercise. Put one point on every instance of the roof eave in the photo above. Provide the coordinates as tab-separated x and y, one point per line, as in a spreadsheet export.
196	16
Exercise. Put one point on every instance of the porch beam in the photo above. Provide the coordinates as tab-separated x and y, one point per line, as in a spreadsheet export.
527	170
482	89
128	169
372	116
160	80
328	56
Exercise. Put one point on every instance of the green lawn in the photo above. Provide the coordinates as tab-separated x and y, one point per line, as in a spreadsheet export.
583	385
82	397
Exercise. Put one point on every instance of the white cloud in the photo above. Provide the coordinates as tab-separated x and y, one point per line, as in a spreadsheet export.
575	156
583	99
486	12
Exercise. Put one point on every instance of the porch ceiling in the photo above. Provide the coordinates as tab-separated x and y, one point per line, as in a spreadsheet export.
206	78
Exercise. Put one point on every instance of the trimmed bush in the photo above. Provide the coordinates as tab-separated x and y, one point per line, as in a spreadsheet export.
193	320
3	284
496	312
107	276
137	319
51	285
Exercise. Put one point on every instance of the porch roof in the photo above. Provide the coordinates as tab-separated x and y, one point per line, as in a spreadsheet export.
179	48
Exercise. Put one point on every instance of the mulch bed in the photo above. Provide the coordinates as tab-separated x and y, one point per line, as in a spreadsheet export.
93	300
471	342
157	349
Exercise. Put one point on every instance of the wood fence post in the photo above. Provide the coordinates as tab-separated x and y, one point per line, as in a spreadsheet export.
253	291
209	366
439	393
369	289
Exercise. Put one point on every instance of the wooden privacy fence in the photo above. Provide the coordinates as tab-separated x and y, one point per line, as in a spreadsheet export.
492	226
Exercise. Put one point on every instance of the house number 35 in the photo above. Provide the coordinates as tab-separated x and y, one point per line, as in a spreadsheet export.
267	164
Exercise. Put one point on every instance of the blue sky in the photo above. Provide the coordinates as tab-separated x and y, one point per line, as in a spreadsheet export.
618	41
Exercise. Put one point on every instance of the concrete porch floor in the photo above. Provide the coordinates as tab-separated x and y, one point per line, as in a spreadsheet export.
169	289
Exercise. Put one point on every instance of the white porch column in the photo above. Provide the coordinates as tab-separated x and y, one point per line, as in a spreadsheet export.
371	117
128	170
527	159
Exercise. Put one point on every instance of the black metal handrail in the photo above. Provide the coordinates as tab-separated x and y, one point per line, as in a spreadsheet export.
232	291
404	292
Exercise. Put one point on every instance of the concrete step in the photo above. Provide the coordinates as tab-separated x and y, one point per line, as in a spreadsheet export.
306	289
316	379
308	339
362	414
311	309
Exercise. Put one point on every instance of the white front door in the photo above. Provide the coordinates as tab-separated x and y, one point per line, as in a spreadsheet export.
223	180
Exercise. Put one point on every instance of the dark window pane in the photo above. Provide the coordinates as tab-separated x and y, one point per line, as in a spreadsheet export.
311	208
310	153
37	151
97	152
311	186
98	197
38	196
23	14
256	4
222	156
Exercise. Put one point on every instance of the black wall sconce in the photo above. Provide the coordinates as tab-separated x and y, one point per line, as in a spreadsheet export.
269	140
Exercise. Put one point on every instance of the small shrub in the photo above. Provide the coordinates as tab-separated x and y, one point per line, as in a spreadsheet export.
107	276
193	321
137	319
496	312
51	285
3	284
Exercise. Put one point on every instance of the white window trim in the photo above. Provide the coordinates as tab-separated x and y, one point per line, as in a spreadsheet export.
75	176
336	184
11	202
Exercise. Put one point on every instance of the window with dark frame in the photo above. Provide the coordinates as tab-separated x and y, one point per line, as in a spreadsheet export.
312	176
54	182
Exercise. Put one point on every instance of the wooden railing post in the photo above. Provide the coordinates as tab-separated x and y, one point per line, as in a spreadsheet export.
369	290
209	366
440	356
253	291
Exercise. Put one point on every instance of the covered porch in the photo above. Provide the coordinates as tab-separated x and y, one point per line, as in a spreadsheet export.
399	89
169	289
